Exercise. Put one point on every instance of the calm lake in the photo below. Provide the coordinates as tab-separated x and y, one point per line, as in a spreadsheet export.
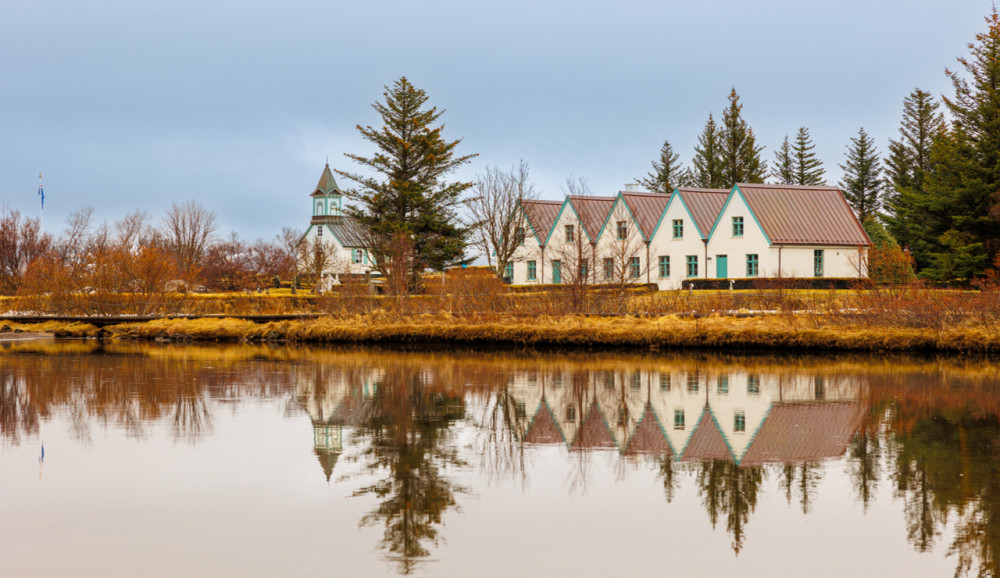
172	460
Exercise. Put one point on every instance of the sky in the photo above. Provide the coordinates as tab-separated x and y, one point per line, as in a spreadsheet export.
125	105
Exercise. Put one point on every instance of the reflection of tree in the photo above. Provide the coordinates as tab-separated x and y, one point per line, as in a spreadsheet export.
502	427
802	478
864	457
407	436
728	490
17	413
667	471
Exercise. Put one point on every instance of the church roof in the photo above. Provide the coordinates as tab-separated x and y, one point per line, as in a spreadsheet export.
328	460
327	184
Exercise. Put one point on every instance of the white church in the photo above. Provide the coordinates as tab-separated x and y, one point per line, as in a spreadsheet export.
339	234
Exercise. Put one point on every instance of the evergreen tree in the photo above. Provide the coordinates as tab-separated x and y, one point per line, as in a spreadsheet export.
741	162
808	169
963	184
409	210
784	167
906	168
666	171
707	158
862	183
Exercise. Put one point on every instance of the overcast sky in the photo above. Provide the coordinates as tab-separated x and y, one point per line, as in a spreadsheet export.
126	105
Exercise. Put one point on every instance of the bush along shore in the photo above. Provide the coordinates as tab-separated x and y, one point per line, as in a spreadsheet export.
779	331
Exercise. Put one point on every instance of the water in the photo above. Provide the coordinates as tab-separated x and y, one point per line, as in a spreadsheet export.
293	461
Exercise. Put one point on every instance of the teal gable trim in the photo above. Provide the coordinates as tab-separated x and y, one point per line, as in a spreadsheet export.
611	212
659	424
631	215
530	226
677	195
736	191
663	215
729	446
559	216
545	404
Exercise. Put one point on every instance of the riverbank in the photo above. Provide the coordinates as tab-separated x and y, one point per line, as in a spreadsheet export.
775	332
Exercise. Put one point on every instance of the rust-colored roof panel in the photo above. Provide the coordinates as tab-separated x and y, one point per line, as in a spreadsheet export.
542	216
648	437
647	208
706	441
593	211
808	432
543	428
705	206
800	215
594	432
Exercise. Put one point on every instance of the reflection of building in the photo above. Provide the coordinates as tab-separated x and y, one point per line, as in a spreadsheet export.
741	416
335	399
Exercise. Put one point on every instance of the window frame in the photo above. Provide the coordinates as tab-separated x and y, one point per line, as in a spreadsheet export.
664	266
532	270
678	228
692	266
753	265
738	226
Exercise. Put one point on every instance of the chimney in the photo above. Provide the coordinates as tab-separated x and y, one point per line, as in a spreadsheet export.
632	188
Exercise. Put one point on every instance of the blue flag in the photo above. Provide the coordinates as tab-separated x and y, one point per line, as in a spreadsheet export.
41	193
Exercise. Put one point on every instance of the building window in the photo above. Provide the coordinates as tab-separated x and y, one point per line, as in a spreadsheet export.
740	422
319	231
678	419
570	413
359	256
557	380
319	208
722	386
532	270
752	265
737	226
633	267
508	272
519	235
678	228
819	388
569	233
692	383
583	269
664	265
609	269
622	230
818	263
753	385
692	265
664	381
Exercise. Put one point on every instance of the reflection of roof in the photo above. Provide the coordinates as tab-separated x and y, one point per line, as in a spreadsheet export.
805	432
327	184
648	437
592	211
594	432
541	216
543	428
706	441
327	459
804	215
646	208
705	206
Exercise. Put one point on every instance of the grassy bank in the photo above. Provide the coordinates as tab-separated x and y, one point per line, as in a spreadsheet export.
793	332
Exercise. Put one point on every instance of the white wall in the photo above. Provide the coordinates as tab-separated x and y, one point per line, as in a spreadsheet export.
663	243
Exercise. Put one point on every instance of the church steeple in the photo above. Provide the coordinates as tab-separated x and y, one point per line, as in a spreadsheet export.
327	195
327	184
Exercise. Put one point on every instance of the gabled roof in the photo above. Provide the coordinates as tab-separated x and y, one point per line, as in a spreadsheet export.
706	441
705	206
541	215
327	184
592	212
594	432
346	230
800	215
543	428
648	437
646	209
804	432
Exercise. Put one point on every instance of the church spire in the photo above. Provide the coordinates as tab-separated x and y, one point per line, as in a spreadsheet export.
327	184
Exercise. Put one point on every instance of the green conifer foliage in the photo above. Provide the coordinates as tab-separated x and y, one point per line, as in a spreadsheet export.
862	183
707	158
666	171
741	162
409	204
808	169
963	186
784	169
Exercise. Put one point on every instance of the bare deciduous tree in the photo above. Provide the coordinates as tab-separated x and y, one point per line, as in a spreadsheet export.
623	264
188	229
497	220
22	242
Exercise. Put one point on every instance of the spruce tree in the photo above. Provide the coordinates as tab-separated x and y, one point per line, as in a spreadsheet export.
666	172
784	168
808	169
408	209
906	170
862	183
741	162
707	159
963	183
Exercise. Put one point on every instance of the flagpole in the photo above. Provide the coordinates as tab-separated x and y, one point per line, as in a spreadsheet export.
41	210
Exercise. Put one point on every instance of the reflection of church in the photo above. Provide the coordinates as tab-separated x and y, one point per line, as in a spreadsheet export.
335	399
748	418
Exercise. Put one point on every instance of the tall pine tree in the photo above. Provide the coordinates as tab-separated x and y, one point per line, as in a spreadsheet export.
708	170
741	162
784	166
666	172
965	175
409	209
862	183
808	169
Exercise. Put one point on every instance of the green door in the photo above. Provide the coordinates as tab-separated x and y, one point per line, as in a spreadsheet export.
557	272
721	267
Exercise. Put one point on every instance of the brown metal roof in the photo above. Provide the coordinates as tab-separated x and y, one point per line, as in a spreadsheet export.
647	208
809	432
705	206
542	215
348	231
799	215
706	441
648	437
593	212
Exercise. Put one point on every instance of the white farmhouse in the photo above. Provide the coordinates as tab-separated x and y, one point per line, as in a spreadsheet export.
679	239
329	228
528	265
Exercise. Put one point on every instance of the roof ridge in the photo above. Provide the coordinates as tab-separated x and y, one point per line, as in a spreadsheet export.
790	187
